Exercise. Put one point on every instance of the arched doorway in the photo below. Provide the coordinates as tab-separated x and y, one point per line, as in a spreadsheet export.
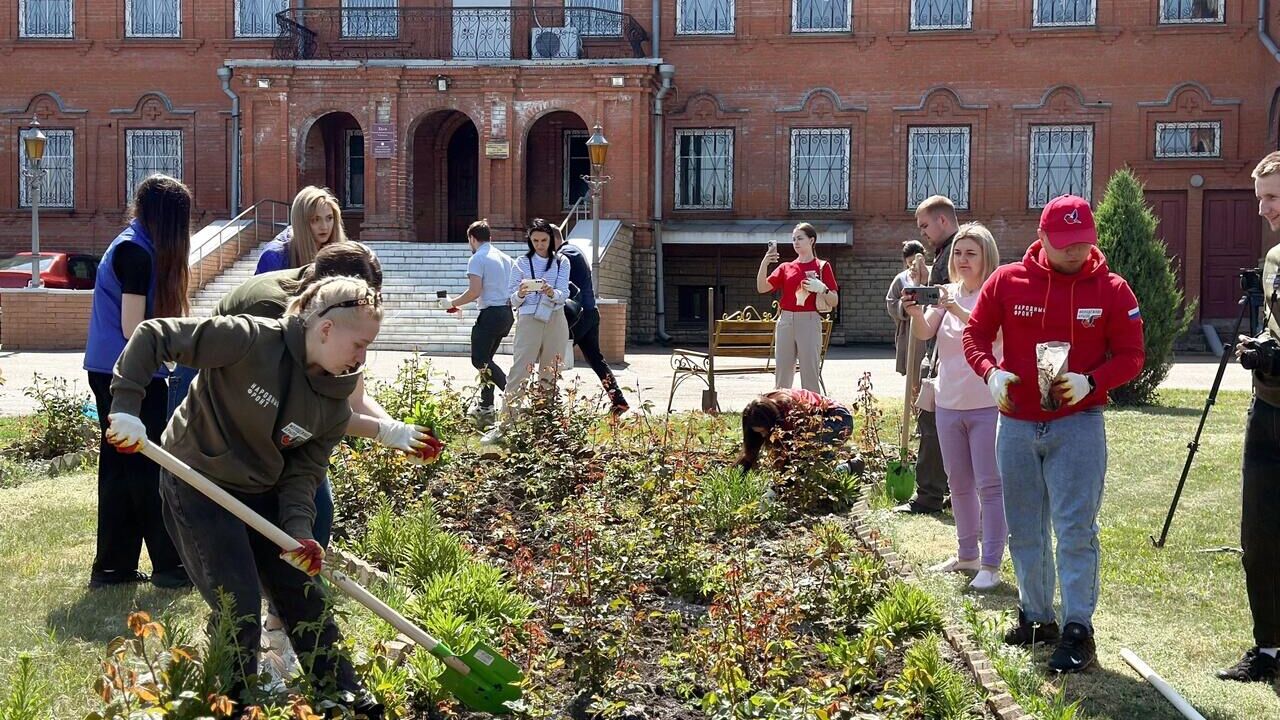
333	156
555	161
445	186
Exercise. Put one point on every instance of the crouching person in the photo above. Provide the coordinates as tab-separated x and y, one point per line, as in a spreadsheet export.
271	404
772	419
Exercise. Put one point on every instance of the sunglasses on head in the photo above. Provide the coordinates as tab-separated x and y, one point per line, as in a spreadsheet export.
369	298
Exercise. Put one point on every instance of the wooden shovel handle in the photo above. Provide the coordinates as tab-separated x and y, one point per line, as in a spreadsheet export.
169	462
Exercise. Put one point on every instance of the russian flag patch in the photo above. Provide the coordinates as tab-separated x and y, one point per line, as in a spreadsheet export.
1135	313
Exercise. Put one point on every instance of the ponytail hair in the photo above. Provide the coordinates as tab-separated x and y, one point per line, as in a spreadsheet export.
347	258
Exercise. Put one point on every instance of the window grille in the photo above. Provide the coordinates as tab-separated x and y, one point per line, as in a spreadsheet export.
938	164
704	169
59	163
1061	163
820	169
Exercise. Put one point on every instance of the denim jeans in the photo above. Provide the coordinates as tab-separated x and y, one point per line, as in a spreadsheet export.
1053	476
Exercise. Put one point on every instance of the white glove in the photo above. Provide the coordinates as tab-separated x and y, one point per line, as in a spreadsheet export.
443	303
1072	387
814	285
998	382
400	436
126	432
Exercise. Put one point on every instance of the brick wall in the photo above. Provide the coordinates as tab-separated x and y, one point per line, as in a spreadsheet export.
615	266
44	319
643	283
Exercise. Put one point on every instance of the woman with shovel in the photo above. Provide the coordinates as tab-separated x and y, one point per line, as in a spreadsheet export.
966	414
270	406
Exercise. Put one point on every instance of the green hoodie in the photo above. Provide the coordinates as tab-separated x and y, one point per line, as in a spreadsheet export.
255	420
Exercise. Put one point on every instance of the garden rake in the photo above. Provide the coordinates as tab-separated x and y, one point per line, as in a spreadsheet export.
481	678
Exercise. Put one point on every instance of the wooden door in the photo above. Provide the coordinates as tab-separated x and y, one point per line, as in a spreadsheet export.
1170	208
1232	239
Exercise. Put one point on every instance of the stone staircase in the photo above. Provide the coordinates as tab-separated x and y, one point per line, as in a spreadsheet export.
412	273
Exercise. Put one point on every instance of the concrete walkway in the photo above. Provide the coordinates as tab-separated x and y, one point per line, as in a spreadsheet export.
647	374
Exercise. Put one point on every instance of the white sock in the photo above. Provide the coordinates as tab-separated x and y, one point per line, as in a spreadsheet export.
1268	651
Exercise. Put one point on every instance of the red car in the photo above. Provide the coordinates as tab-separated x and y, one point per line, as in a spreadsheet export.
66	271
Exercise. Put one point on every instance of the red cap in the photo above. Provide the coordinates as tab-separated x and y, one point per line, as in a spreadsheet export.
1068	220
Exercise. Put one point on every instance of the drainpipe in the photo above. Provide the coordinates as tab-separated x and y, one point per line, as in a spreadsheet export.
224	74
1267	41
656	22
660	304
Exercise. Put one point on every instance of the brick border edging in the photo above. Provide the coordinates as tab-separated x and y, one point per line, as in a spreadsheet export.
998	701
361	570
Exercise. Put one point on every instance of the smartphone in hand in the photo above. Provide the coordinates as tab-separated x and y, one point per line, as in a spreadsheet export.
924	294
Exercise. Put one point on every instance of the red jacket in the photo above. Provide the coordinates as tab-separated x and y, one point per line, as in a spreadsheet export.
1094	310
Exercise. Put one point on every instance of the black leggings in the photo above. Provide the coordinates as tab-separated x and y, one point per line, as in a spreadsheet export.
586	335
128	492
1260	521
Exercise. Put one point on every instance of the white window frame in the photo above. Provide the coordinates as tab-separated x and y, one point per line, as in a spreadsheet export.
60	171
682	13
843	165
921	131
567	179
916	24
128	19
727	168
1038	199
1036	22
271	30
132	176
23	32
348	136
1167	19
846	27
1215	125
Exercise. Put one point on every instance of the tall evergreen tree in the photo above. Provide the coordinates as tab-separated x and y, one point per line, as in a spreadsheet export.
1127	236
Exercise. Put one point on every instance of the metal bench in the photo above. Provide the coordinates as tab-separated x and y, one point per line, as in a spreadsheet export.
744	335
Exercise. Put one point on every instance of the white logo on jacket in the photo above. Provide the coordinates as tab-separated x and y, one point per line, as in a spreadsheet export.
259	395
1088	316
1026	310
293	433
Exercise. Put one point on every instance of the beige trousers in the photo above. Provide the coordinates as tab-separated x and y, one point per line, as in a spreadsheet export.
537	342
798	335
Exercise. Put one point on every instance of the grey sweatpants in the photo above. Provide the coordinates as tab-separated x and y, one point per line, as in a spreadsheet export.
798	335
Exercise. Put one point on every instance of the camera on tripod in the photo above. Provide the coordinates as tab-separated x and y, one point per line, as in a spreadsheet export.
1260	355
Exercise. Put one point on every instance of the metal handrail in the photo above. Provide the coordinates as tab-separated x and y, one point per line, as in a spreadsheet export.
580	211
217	240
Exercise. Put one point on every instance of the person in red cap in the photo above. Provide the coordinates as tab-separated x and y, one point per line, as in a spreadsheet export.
1051	447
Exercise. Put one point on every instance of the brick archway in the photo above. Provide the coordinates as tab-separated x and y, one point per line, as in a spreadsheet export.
444	176
555	159
332	155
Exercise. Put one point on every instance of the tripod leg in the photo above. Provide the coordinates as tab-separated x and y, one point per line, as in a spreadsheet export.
1194	445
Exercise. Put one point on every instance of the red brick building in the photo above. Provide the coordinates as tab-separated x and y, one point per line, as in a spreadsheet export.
729	121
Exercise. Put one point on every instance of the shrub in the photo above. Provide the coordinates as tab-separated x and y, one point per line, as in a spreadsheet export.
60	425
1127	236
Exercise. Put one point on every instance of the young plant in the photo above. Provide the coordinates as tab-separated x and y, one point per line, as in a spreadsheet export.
59	426
28	696
905	612
929	687
730	499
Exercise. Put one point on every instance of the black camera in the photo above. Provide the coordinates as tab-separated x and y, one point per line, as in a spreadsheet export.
1261	355
1251	283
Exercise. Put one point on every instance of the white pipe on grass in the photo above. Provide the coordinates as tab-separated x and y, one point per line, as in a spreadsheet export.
1158	683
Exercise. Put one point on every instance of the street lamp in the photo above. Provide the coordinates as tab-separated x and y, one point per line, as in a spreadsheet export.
598	149
34	141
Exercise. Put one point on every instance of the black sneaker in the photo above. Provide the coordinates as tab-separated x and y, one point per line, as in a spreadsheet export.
1027	633
1076	651
368	708
915	508
111	578
1255	666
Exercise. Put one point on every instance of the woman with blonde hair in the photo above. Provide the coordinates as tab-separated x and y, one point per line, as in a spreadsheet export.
268	448
315	220
966	414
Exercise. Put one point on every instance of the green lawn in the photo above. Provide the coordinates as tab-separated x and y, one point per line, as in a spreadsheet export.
1182	610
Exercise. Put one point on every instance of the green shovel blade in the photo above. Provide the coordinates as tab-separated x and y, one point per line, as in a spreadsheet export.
492	681
900	480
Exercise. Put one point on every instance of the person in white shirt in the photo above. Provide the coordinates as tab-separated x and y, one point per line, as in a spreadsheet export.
538	287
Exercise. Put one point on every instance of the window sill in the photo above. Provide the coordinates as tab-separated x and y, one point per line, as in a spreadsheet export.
703	38
80	46
983	38
188	45
828	37
1107	35
1189	164
1238	31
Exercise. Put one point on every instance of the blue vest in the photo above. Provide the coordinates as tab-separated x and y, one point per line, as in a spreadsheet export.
106	339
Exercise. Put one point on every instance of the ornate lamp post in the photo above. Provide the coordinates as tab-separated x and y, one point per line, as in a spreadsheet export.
34	141
598	149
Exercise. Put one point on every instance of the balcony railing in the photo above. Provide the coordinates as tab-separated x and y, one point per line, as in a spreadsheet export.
457	33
